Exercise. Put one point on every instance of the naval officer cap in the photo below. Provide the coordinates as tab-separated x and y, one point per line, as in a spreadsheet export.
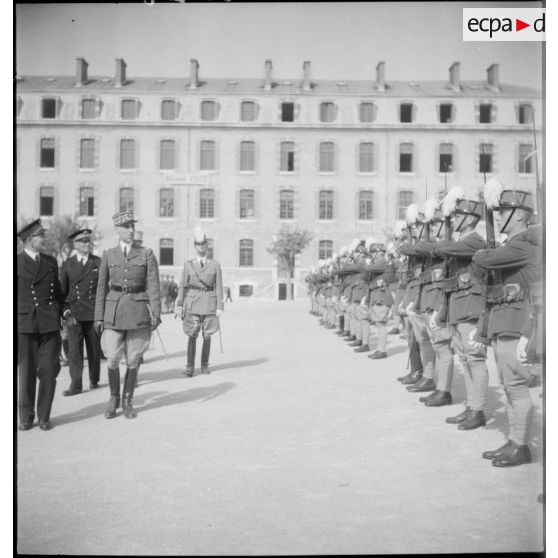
35	228
82	234
123	218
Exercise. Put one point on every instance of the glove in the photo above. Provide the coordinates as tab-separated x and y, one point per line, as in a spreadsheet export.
363	301
472	341
432	323
219	313
410	309
155	321
70	320
98	326
179	311
521	351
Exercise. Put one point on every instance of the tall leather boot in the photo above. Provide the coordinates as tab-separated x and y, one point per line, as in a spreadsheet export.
128	393
206	348
191	357
341	329
114	386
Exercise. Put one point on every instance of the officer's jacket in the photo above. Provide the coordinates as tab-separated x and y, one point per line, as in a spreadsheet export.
517	266
464	286
39	297
79	285
201	289
119	308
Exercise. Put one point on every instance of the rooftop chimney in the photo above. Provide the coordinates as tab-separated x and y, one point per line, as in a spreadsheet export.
194	74
120	76
306	72
454	76
81	72
268	66
381	76
493	78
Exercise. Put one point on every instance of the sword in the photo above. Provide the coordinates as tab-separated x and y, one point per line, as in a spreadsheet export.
220	338
160	338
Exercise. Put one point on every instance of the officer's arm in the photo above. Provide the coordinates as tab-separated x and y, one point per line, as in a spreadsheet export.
459	249
153	286
64	288
503	257
407	249
424	248
102	288
219	287
181	285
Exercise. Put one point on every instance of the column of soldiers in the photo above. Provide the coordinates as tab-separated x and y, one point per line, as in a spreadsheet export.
454	293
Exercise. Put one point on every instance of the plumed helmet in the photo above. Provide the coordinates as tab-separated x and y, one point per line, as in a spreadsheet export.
199	236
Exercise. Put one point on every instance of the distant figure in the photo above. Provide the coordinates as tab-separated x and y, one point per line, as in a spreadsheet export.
228	294
173	293
165	294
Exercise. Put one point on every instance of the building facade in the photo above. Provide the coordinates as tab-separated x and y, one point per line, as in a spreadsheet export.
244	157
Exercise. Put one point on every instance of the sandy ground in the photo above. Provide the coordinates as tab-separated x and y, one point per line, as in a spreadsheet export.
293	445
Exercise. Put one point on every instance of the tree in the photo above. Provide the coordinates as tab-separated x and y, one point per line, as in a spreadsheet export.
58	230
286	245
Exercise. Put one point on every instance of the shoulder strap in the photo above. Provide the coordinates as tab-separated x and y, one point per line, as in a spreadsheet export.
198	276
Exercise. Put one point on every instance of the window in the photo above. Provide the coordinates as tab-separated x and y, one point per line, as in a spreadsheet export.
127	154
207	203
485	113
446	113
47	153
526	154
169	109
287	112
247	156
46	201
485	157
366	112
406	157
327	112
167	155
126	202
88	108
48	108
245	290
525	114
366	157
208	110
246	204
287	156
166	202
207	155
87	153
406	112
325	249
210	248
246	253
129	109
327	156
326	204
166	251
404	200
365	208
286	204
86	201
446	157
248	111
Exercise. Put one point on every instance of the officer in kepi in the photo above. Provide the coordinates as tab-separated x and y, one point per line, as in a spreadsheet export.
200	301
39	308
78	279
127	309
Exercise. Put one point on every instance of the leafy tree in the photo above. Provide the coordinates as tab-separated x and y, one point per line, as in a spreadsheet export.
286	245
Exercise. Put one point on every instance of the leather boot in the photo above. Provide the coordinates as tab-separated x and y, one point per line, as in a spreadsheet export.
424	384
362	349
443	398
341	329
206	347
114	386
406	377
351	338
458	419
412	378
428	397
378	354
128	393
475	419
356	343
517	455
191	357
500	452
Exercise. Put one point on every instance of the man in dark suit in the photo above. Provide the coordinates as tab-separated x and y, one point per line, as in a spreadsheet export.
39	305
78	279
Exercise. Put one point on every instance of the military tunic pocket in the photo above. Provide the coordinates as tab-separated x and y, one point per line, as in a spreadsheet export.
212	304
110	311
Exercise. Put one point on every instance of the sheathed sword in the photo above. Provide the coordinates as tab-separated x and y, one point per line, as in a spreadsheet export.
220	338
157	330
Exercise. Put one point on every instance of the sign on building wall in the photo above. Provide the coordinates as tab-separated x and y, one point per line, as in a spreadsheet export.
178	179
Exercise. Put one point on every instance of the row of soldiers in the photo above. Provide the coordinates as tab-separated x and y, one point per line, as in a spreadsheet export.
457	294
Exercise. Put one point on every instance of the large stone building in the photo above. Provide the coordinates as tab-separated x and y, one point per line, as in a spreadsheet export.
243	157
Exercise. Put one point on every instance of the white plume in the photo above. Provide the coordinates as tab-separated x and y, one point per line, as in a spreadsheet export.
430	207
492	191
369	241
450	200
199	235
329	261
321	263
400	226
312	269
335	257
412	214
343	250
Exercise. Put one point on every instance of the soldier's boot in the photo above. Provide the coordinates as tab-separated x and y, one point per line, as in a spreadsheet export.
518	455
424	384
114	386
412	378
191	357
356	343
443	398
362	349
430	396
341	329
406	377
128	393
140	362
458	419
500	452
351	338
206	347
475	419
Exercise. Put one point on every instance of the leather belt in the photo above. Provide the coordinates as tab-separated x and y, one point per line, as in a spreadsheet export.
127	289
201	288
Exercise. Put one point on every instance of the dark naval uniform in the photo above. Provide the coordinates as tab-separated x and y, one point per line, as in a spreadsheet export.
79	285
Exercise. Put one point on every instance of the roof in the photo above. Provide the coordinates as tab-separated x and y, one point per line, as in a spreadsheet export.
322	88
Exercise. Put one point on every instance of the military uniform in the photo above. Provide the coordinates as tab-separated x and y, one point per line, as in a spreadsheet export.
39	309
78	282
